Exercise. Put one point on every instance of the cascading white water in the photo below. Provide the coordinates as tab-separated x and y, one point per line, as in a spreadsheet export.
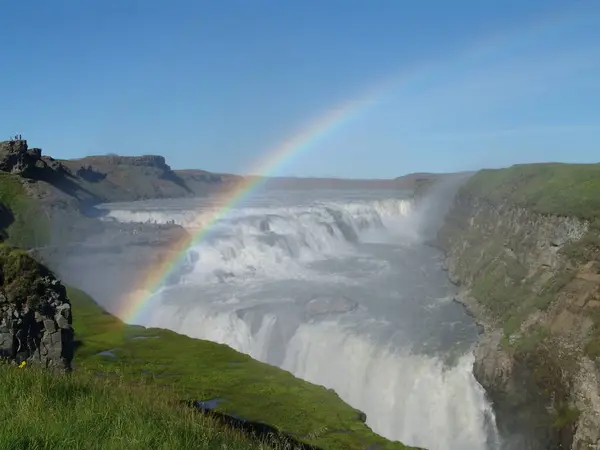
252	284
411	398
274	241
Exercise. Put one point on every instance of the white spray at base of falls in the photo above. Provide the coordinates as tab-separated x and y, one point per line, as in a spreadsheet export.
245	283
410	398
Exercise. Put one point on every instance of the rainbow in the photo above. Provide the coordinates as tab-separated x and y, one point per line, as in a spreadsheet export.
133	305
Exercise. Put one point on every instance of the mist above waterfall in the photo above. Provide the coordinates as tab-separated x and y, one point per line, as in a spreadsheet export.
336	287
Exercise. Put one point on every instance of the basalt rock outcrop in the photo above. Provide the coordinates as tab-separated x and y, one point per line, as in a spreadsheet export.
35	313
16	158
531	277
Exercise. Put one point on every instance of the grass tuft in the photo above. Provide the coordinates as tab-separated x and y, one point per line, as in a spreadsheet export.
45	411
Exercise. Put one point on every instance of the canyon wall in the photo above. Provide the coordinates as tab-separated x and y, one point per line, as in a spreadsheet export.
523	244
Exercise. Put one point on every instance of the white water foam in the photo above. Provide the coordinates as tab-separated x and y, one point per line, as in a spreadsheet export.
359	214
276	242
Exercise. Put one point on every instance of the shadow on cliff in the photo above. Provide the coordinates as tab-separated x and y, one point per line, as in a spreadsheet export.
262	431
64	181
169	175
6	219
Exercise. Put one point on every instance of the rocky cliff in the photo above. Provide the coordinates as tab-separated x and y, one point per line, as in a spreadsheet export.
107	178
42	199
113	178
35	313
523	244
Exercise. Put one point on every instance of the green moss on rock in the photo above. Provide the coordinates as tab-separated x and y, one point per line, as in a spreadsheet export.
22	222
23	279
35	314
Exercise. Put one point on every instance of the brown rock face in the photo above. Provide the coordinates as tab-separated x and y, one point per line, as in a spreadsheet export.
35	313
16	158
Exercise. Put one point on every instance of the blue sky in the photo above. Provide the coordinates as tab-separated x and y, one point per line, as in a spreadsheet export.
218	84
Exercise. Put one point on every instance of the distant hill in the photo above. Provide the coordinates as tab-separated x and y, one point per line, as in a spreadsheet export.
97	179
409	182
328	183
125	178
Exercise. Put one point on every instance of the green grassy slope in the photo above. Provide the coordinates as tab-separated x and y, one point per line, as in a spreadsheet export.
550	188
42	411
23	223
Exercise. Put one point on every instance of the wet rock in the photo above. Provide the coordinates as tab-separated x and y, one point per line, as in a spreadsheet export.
17	158
330	305
223	275
362	417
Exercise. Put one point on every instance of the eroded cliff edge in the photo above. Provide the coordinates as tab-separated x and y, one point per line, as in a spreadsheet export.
524	245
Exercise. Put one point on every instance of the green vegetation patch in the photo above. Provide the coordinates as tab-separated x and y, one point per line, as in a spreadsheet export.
592	347
194	369
45	411
22	223
551	375
501	285
550	188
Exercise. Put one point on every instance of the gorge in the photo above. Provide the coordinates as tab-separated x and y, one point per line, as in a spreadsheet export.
335	286
522	243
